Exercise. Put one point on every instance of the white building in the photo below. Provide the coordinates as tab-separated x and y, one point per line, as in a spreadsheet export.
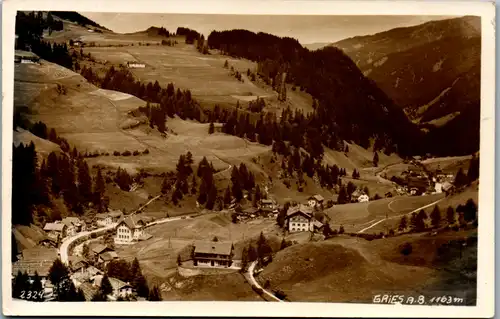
213	254
136	65
299	218
438	188
73	225
107	219
130	230
120	288
363	198
315	201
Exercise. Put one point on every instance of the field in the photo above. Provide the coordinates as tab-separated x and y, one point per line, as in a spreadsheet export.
357	216
354	270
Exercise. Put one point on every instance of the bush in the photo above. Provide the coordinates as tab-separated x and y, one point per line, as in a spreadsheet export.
116	153
93	235
135	153
126	153
146	151
406	249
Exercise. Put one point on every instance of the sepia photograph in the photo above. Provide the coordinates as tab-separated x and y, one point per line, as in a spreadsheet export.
278	160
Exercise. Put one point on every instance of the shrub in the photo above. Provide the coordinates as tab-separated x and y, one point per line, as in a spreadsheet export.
126	153
406	249
116	153
93	235
135	153
146	151
280	294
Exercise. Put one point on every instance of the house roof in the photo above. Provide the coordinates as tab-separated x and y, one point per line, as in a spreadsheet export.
30	267
133	222
317	223
446	186
39	254
71	221
250	210
54	227
211	247
88	290
93	271
118	284
317	197
109	255
145	236
267	201
300	209
115	213
102	215
100	248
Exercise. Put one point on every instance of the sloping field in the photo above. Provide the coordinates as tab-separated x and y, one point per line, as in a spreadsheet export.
448	164
330	272
43	147
357	216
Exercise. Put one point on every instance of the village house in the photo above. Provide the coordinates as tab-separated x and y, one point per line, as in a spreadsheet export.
299	218
120	289
26	57
213	254
130	230
73	225
106	219
77	264
315	201
135	65
363	198
267	205
55	231
106	257
100	249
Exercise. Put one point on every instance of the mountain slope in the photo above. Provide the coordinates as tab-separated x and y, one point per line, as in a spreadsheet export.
432	71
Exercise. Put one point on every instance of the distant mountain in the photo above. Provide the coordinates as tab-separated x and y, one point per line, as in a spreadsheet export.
431	70
315	46
77	18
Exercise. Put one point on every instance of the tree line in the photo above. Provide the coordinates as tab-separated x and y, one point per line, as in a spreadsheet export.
348	104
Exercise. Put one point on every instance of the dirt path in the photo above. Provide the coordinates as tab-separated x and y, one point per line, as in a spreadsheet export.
398	216
254	282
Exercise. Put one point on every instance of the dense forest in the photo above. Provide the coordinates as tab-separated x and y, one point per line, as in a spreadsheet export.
349	106
191	35
77	18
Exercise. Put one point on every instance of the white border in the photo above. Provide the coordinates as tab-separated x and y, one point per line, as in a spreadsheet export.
485	305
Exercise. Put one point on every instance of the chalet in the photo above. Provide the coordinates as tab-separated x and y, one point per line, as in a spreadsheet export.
99	249
363	198
73	225
317	225
135	65
77	264
267	205
55	230
131	229
107	256
213	254
106	219
120	288
315	201
299	218
25	57
447	187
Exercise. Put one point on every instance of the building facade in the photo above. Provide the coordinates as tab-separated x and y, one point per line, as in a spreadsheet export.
213	254
130	230
299	218
315	201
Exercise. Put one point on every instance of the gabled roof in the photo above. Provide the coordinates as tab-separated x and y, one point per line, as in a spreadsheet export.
212	247
88	290
109	255
115	213
250	210
39	254
317	223
54	227
100	249
71	221
446	186
317	197
93	271
30	267
299	209
102	215
118	284
267	201
133	222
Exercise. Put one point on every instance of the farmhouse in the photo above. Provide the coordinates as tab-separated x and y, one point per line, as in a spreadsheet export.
107	256
25	57
363	198
131	229
135	65
213	254
55	230
73	225
299	218
315	201
267	205
99	249
110	218
77	264
120	288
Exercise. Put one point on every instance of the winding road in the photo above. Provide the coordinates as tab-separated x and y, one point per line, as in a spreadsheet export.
251	269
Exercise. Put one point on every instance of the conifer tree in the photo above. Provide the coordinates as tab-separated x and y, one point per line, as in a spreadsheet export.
450	215
106	287
436	216
138	280
403	223
460	178
227	196
211	128
154	294
375	159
